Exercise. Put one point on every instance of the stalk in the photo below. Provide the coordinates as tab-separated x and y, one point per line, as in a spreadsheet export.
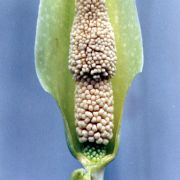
99	175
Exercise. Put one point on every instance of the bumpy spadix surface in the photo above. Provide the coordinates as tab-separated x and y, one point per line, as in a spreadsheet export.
92	47
92	61
94	111
94	153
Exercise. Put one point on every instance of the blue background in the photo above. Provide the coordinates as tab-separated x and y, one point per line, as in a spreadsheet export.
32	140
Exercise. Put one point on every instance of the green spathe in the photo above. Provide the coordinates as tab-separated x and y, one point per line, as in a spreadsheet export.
51	52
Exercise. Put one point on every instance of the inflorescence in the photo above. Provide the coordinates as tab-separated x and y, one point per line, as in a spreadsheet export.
92	61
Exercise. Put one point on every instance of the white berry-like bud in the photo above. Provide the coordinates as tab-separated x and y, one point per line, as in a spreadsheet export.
94	124
92	51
